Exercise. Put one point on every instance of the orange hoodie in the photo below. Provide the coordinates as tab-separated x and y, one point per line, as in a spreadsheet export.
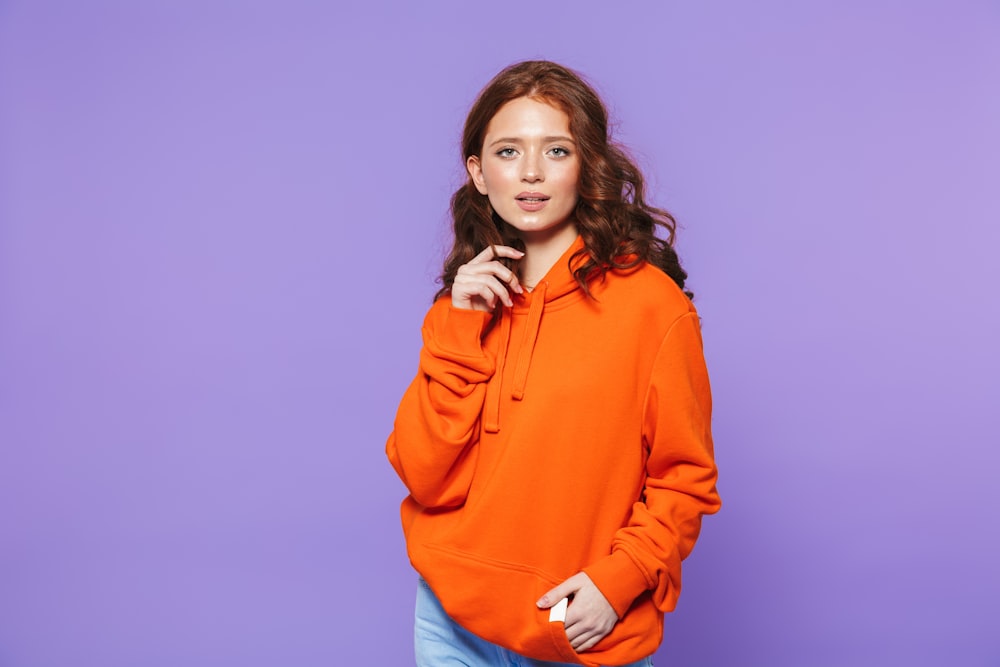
572	435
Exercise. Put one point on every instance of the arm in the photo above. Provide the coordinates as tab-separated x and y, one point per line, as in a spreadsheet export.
437	424
432	446
680	488
646	554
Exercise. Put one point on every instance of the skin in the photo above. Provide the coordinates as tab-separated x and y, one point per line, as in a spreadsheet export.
589	616
528	147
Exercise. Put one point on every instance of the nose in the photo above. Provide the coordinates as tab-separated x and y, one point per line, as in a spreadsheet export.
531	168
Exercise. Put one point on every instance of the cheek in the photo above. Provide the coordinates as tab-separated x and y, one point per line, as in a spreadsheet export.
491	182
569	180
499	173
496	201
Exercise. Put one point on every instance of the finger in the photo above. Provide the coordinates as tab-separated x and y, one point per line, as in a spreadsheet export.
577	629
491	268
574	633
552	597
582	637
487	295
580	619
587	643
490	253
576	639
483	278
563	590
477	284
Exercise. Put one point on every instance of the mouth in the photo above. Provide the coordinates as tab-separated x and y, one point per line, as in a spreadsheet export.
532	203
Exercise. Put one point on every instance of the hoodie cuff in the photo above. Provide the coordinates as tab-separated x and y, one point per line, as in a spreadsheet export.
457	333
619	579
463	330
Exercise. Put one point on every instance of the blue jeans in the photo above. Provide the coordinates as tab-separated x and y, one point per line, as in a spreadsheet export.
441	642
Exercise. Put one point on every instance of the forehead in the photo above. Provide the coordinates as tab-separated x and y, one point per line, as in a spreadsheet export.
528	116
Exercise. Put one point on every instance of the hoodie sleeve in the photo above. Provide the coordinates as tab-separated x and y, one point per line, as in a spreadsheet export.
680	478
432	446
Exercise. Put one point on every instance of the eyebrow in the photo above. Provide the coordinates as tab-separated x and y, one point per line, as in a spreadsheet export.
517	140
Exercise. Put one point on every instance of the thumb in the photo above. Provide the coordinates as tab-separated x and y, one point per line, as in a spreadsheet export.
565	589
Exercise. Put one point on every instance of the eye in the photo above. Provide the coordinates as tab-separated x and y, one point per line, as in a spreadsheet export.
559	151
507	152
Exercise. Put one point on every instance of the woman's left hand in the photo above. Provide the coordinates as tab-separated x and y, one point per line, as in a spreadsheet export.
589	616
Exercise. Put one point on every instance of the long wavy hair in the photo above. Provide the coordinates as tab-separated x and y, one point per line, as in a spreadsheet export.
618	227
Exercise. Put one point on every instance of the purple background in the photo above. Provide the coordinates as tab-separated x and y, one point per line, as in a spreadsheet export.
219	228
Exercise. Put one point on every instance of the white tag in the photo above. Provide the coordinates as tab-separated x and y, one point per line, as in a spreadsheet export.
558	611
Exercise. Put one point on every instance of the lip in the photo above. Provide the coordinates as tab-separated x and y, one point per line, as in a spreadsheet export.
532	201
531	195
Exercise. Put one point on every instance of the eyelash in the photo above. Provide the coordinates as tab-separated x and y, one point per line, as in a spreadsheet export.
507	152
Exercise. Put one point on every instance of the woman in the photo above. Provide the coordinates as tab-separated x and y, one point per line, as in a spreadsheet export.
556	441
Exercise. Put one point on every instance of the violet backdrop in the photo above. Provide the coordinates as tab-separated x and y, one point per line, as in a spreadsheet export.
220	224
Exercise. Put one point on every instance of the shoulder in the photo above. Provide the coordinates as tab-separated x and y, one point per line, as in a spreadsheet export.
437	311
647	290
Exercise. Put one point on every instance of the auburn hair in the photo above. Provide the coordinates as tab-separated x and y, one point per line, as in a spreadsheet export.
617	225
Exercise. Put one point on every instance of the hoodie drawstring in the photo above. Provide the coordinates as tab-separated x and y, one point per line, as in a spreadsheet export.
491	407
494	393
528	341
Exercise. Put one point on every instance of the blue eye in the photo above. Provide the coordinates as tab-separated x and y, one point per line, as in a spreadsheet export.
558	151
506	152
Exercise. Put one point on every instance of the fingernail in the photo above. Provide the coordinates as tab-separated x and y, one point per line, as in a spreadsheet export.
541	602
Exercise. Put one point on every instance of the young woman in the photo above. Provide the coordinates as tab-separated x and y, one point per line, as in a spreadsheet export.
556	441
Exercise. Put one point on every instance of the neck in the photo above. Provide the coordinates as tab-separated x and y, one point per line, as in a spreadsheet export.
541	251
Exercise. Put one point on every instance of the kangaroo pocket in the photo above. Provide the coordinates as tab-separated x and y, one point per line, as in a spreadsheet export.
634	637
496	601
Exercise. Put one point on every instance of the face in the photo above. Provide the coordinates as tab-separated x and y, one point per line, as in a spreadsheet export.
529	168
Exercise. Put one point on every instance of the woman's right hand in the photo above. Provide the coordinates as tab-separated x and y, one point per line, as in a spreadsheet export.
483	281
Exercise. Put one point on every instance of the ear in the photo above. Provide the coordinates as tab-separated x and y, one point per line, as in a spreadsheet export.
475	168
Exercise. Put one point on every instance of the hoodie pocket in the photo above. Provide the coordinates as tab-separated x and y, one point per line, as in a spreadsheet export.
496	601
556	630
